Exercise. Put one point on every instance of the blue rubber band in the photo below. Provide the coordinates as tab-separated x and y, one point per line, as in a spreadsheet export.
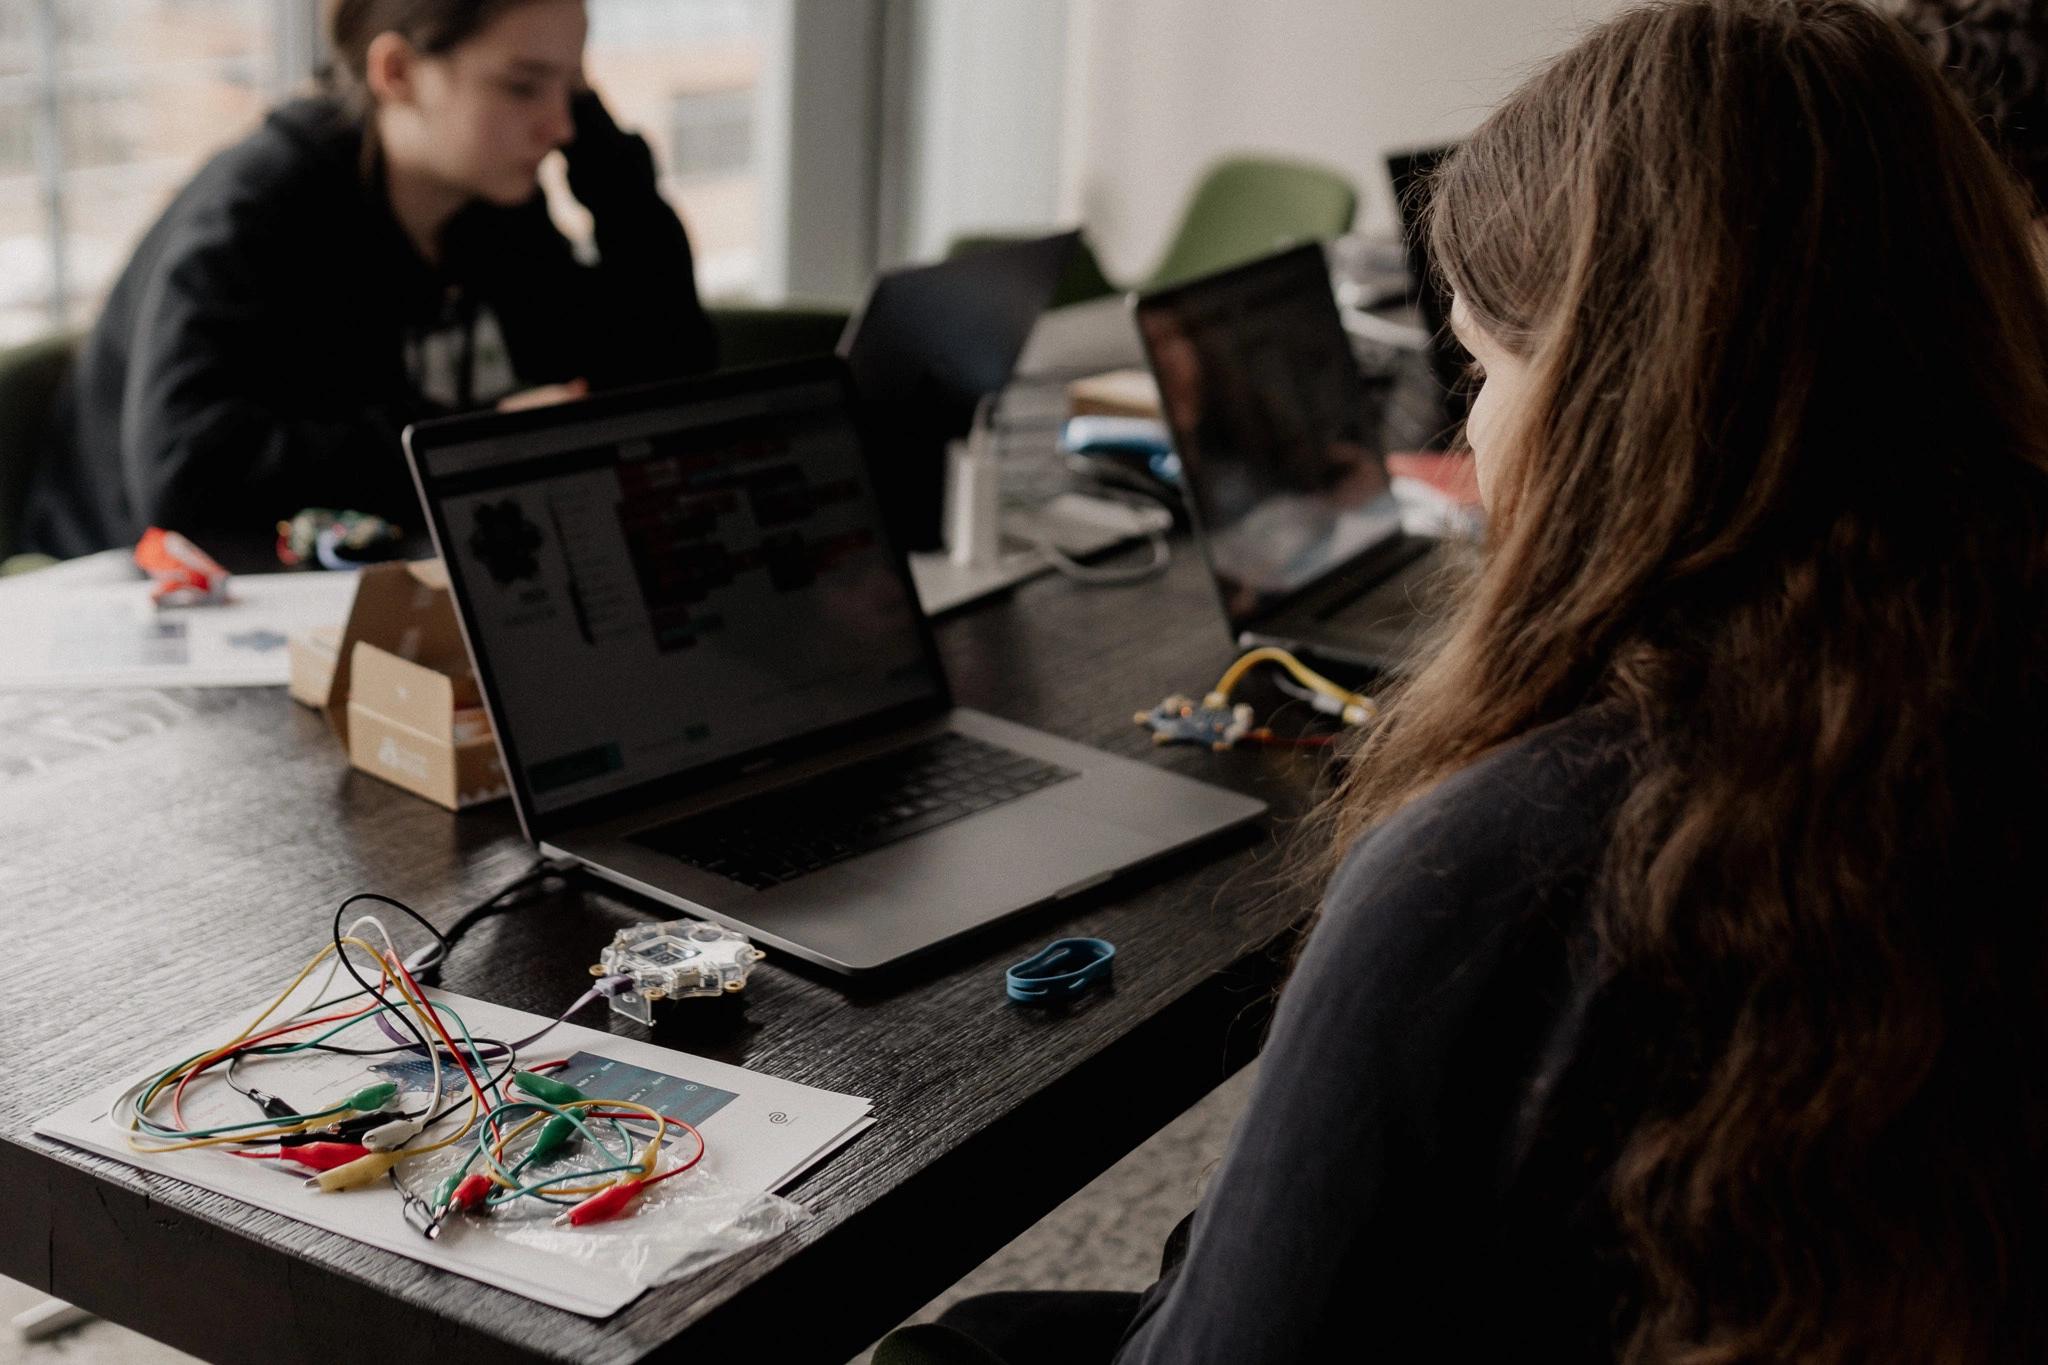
1064	969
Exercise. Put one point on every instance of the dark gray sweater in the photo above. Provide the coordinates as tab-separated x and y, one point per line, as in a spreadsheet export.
1408	1181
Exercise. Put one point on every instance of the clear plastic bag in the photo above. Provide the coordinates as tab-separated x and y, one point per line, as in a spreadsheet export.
675	1228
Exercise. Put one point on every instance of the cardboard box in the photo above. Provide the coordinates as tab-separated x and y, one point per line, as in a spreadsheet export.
396	685
313	657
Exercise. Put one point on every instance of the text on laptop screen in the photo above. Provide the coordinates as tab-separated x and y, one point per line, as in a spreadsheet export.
1271	419
678	588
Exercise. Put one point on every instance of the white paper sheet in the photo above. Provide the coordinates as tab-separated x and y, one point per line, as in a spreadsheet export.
763	1137
91	624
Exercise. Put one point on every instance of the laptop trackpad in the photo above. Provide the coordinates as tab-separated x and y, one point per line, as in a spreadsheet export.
958	877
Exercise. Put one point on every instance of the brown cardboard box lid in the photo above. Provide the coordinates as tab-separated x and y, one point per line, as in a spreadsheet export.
1115	393
403	610
314	655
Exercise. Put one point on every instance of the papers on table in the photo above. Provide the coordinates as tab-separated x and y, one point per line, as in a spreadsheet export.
90	623
760	1133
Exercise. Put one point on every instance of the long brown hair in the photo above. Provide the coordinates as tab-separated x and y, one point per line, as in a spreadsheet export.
1780	495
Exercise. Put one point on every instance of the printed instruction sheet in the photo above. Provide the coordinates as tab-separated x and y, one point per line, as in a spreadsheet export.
760	1133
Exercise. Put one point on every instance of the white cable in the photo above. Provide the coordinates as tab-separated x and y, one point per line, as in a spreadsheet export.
1068	566
1322	702
1162	555
433	1048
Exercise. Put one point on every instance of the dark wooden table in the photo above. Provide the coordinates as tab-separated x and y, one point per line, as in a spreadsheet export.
166	857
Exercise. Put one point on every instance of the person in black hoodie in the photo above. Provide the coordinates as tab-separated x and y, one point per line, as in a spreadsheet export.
368	257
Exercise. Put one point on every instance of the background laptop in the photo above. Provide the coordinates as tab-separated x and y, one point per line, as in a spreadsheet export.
1410	172
1285	481
712	684
928	345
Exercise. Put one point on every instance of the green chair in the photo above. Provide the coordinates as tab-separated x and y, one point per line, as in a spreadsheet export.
29	378
1248	207
750	334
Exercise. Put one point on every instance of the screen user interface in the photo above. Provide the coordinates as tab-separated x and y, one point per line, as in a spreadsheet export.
681	587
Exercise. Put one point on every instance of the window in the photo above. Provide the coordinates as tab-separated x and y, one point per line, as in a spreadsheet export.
686	76
106	107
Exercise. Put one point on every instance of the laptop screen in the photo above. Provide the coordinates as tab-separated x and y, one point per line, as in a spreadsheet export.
654	591
1272	423
1410	174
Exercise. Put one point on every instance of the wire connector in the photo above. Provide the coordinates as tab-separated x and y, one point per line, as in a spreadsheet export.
361	1171
1221	725
393	1135
609	1202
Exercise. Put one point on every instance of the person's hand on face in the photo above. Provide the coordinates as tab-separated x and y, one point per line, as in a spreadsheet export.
544	395
1501	378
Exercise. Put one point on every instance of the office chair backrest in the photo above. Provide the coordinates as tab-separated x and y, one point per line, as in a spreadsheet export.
29	379
1248	207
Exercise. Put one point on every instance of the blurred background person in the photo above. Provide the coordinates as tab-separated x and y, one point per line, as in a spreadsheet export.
370	256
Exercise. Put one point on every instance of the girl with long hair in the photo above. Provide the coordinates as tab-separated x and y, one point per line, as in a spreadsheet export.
1679	992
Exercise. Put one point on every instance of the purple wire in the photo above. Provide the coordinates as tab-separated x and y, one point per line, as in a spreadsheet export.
605	986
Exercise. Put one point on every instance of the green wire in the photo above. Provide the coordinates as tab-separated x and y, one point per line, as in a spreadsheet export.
534	1190
154	1129
502	1109
508	1110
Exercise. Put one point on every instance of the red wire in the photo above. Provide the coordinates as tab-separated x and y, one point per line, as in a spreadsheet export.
434	1018
178	1095
1273	741
657	1179
691	1129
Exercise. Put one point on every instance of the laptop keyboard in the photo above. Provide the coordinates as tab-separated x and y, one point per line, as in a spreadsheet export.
777	836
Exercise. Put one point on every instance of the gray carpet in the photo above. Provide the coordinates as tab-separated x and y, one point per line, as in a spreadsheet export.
1109	1235
1106	1237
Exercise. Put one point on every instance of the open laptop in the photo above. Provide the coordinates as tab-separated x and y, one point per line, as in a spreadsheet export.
712	684
928	345
1285	482
1409	173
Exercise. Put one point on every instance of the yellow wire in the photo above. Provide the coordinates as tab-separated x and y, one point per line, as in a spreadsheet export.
648	1159
1303	674
170	1079
647	1163
418	1004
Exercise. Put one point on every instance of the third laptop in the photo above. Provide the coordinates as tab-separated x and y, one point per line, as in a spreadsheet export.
1280	462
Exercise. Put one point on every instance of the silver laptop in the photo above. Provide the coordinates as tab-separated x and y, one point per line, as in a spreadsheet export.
712	684
1285	482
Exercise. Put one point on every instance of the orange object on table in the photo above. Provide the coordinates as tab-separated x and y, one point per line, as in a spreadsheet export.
185	574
